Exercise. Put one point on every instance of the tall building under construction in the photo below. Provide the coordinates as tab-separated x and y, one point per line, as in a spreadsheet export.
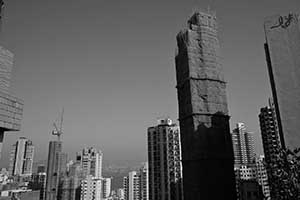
207	153
53	170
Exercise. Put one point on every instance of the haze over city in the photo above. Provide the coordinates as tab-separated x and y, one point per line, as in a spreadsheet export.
110	64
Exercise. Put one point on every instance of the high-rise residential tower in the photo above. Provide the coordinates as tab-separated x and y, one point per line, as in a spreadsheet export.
131	185
91	188
207	153
135	185
282	49
269	132
244	155
91	161
21	158
164	159
271	141
243	146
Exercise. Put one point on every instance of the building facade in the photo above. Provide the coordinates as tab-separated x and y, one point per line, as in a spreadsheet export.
38	182
207	154
271	141
21	158
244	172
164	160
11	108
243	146
121	194
91	161
131	185
247	166
269	132
262	177
250	190
71	183
282	47
106	188
91	188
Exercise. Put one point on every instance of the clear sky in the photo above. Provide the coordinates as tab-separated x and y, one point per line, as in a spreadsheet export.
110	64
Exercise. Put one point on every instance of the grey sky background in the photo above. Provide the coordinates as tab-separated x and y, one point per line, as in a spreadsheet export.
110	64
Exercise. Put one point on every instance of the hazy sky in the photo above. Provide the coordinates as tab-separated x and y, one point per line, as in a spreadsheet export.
110	64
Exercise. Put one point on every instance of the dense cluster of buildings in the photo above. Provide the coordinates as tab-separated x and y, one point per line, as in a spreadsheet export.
249	169
198	159
66	180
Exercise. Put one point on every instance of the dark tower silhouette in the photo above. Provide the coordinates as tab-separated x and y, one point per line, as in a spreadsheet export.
207	153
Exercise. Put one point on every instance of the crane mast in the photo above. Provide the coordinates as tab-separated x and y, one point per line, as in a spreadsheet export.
58	130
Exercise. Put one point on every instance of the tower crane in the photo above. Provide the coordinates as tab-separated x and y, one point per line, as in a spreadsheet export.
58	131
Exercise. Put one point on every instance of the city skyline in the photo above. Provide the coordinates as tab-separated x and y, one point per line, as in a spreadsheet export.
118	92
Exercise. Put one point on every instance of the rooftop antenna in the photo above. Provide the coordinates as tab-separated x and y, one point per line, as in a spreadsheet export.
58	131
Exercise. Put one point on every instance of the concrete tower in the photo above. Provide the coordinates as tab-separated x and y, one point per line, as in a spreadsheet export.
207	153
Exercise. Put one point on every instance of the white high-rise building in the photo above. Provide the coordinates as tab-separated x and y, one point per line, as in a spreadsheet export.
131	184
106	187
91	188
243	146
91	161
21	158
